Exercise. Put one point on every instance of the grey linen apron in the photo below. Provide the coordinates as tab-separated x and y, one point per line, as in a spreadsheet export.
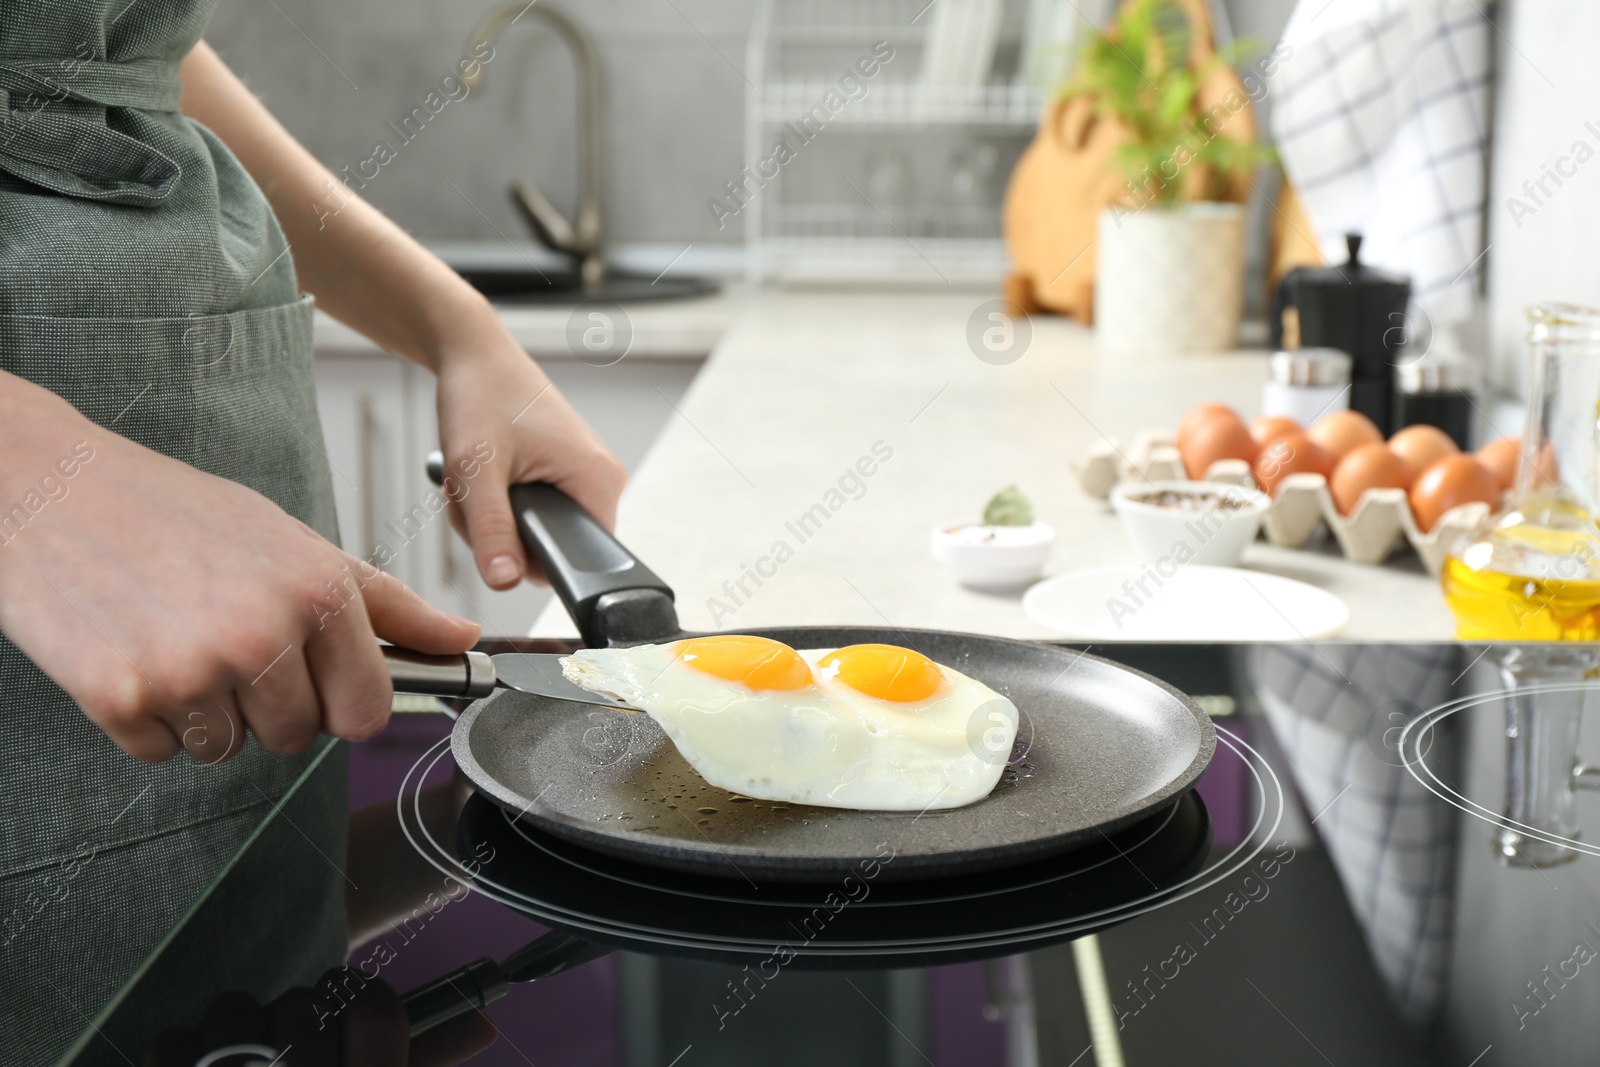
144	279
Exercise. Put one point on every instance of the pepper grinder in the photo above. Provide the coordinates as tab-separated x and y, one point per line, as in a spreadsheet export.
1439	392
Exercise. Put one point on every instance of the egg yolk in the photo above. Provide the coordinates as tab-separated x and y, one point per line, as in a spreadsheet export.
758	662
887	672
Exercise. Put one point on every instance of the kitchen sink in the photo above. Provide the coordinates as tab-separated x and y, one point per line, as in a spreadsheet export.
528	285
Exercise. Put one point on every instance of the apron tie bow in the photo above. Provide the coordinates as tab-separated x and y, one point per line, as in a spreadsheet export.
49	139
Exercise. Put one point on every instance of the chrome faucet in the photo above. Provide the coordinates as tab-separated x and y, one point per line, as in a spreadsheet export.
583	239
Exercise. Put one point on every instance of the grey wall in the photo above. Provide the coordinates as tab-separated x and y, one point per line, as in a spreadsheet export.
336	72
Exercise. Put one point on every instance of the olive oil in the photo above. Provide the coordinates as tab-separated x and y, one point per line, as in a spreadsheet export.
1496	606
1525	582
1532	573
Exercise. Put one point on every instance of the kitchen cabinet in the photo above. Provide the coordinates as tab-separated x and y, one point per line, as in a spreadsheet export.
379	425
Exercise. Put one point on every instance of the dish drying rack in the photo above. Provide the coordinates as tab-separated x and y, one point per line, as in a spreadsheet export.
1379	523
797	51
942	82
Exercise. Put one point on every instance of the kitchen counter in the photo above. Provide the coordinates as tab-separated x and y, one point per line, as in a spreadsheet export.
669	329
804	383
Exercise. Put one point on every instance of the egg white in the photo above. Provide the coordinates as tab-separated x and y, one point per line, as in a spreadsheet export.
827	745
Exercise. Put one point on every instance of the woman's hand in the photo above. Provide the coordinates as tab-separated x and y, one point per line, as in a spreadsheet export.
491	391
180	609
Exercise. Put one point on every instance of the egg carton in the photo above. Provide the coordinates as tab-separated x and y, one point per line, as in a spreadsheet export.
1380	522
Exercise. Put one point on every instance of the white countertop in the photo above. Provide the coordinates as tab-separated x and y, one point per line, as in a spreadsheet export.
669	329
803	383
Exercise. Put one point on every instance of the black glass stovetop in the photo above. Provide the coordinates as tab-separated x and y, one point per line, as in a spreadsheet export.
1315	901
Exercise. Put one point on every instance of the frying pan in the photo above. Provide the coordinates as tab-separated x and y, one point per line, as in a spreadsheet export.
597	904
920	923
1099	745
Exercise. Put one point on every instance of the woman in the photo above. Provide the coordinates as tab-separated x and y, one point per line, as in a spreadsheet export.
168	574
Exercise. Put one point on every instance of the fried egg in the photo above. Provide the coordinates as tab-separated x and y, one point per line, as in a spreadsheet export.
873	727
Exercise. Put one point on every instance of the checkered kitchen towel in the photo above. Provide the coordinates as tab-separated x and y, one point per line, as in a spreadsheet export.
1381	116
1336	711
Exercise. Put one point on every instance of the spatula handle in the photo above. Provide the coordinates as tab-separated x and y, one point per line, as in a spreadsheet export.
469	674
470	988
483	982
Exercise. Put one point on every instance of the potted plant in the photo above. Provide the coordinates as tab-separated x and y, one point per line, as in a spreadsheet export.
1170	248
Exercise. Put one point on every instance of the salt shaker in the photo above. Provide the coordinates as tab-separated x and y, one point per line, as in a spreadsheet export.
1307	383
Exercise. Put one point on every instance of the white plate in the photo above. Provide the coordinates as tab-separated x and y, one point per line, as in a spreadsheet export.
1197	603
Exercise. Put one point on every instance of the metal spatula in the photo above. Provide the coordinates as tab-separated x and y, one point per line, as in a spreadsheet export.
476	674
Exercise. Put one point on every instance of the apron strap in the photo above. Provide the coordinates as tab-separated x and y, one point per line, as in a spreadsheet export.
76	154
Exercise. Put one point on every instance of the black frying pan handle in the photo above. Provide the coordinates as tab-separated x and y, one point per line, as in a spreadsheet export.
612	597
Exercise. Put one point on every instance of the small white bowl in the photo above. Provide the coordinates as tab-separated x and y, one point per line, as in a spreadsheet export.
1212	536
993	557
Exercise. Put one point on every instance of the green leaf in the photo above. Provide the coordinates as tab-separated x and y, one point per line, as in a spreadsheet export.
1177	98
1008	507
1139	72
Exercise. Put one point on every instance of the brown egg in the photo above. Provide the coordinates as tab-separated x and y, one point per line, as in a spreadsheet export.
1368	467
1293	453
1203	415
1338	433
1271	427
1422	446
1451	482
1219	438
1502	457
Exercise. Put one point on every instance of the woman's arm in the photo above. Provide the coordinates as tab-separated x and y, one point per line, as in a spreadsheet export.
363	269
369	274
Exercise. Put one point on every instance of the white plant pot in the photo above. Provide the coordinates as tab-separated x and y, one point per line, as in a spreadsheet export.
1170	279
